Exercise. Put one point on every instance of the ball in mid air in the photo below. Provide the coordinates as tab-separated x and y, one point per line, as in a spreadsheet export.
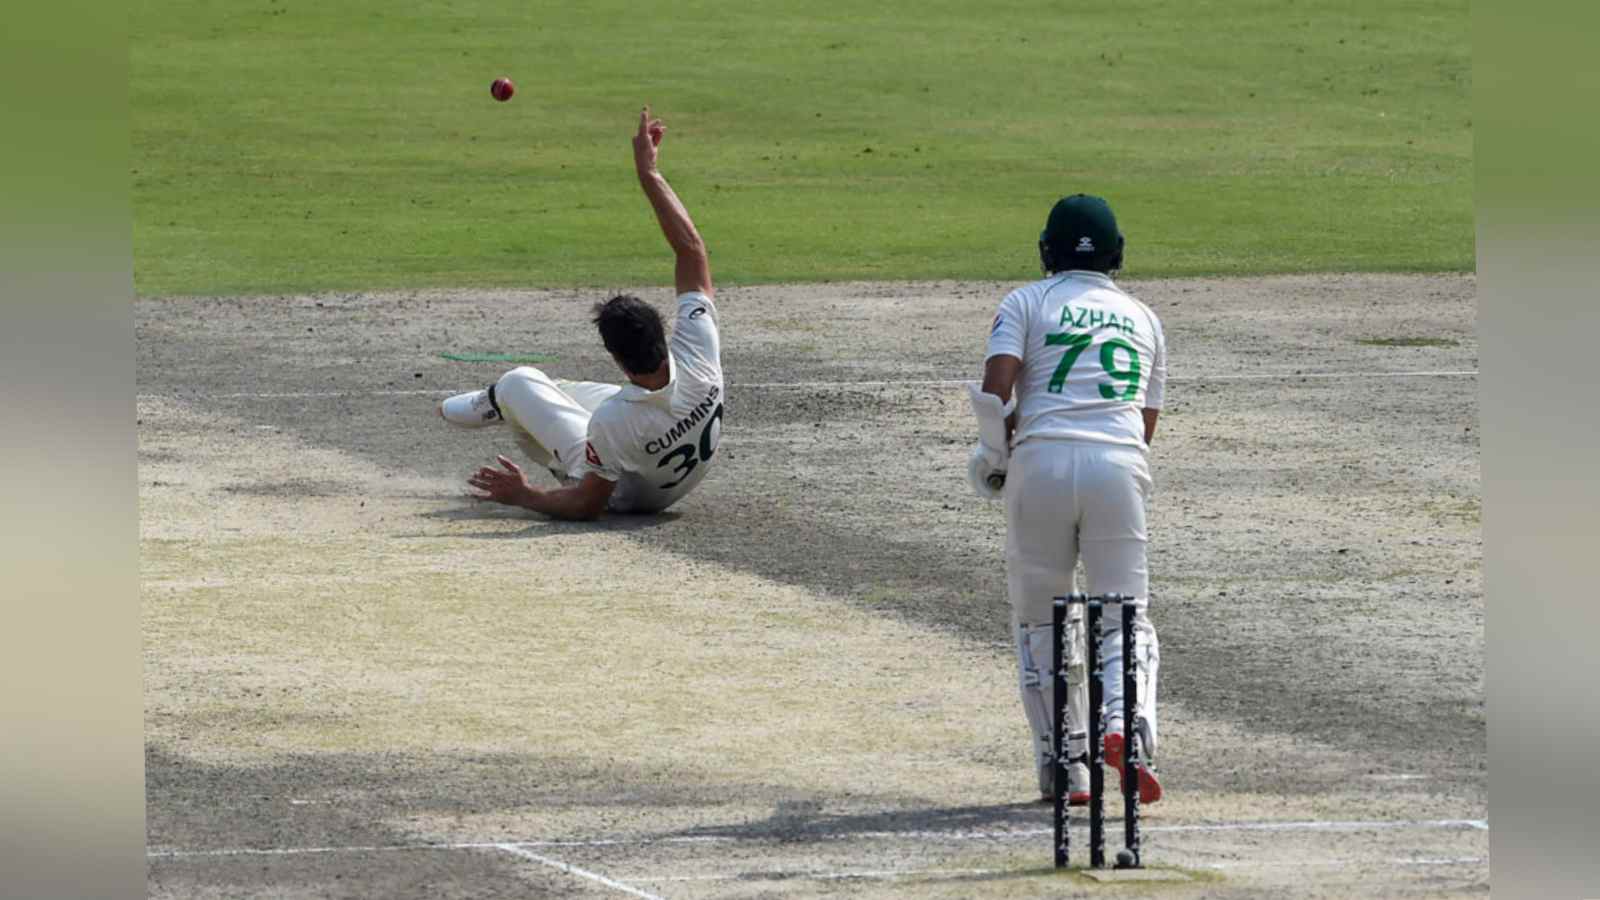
502	89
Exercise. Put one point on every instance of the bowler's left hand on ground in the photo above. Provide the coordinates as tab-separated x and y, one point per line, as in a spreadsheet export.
509	486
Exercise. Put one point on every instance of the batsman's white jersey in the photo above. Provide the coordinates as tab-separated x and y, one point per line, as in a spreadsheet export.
1093	358
657	445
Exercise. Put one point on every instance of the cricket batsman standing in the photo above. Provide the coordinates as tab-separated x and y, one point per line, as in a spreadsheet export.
637	447
1072	386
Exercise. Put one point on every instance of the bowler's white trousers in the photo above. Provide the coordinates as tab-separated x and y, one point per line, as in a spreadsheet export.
550	418
1067	500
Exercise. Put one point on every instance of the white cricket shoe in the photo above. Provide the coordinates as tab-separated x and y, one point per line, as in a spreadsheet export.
473	409
1077	784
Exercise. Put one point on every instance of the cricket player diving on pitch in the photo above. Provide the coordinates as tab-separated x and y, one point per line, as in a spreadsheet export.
1072	386
636	447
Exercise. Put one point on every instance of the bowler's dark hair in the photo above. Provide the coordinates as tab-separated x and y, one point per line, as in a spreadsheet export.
633	333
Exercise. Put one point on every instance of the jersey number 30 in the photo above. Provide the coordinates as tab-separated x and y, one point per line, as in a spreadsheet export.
685	453
1078	341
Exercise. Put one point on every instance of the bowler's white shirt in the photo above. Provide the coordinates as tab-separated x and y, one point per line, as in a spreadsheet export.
657	445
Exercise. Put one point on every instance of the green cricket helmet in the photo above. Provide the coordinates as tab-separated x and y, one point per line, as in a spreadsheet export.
1081	233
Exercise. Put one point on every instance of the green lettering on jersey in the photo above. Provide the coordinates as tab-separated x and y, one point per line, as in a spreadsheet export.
1128	376
1083	317
1076	343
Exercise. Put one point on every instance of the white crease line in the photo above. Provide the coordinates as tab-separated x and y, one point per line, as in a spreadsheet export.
1442	861
625	842
1343	863
297	851
1353	825
824	875
574	870
1477	824
1242	376
815	875
810	385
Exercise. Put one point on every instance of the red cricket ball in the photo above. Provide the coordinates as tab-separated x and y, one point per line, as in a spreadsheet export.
502	89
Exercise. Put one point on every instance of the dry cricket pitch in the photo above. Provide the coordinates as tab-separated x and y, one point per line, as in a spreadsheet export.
799	682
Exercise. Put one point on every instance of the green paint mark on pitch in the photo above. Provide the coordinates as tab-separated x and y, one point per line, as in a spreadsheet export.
520	358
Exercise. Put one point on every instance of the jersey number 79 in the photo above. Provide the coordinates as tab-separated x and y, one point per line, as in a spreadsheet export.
1078	341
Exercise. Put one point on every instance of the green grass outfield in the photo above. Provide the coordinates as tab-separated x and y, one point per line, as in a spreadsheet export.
289	145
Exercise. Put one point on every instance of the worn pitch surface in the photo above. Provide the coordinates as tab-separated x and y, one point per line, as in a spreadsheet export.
799	682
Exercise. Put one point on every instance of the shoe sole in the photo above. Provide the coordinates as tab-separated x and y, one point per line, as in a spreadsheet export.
1149	786
1077	798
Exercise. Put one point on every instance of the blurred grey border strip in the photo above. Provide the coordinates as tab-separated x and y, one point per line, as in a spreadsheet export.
1536	85
71	712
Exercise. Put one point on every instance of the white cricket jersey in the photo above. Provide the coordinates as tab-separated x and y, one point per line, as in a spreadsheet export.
1092	358
657	445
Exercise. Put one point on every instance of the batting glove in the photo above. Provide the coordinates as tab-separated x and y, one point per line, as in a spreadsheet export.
986	470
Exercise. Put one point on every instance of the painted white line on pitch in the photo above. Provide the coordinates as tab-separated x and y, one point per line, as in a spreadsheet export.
628	842
1314	825
464	845
1442	861
570	869
817	875
1352	825
1342	863
888	874
298	851
1180	379
814	385
1477	824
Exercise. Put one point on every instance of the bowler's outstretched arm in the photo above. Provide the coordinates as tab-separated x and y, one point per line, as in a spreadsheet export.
693	270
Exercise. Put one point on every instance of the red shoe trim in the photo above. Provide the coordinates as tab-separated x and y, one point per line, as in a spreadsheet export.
1149	788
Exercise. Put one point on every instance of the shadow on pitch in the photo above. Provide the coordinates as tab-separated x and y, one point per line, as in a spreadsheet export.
537	525
804	820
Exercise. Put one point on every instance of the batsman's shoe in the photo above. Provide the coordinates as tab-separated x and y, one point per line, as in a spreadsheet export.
1149	786
1077	784
473	409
